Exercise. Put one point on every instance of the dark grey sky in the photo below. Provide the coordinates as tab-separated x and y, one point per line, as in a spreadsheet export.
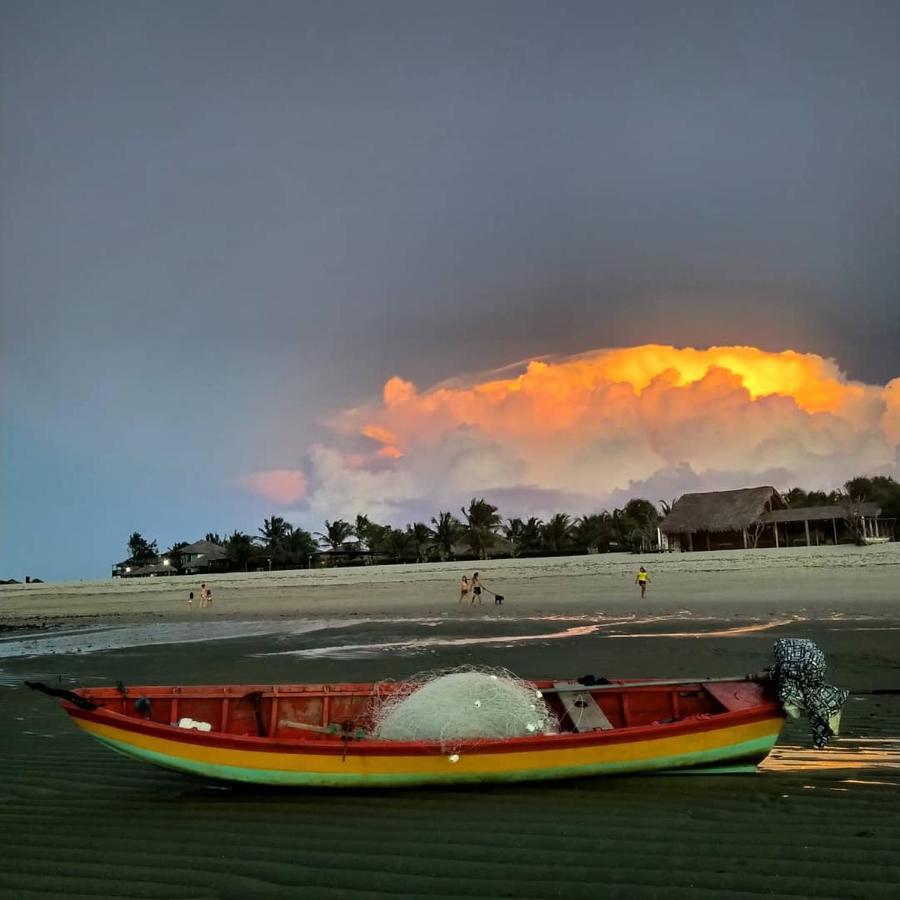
221	220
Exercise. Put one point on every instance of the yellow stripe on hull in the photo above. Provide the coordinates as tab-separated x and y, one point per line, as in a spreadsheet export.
354	769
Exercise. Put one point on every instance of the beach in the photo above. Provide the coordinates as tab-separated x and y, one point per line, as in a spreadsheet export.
823	579
77	820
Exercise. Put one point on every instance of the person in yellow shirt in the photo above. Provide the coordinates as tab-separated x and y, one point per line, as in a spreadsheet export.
643	579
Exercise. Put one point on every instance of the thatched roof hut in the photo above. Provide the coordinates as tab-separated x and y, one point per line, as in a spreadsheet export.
721	511
760	517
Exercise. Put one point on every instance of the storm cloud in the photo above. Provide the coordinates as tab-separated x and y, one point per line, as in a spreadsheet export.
577	432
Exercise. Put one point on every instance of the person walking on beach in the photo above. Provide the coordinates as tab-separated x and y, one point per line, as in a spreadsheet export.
476	589
208	596
643	579
463	589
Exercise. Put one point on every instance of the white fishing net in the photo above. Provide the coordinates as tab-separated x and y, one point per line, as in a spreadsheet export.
460	706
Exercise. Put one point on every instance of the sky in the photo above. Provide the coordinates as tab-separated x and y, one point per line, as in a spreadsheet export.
318	259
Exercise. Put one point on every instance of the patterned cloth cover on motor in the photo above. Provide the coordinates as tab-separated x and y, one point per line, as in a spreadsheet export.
799	672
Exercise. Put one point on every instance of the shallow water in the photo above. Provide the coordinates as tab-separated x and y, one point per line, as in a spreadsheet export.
77	820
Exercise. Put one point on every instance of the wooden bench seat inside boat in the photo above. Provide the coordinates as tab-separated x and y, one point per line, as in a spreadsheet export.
582	709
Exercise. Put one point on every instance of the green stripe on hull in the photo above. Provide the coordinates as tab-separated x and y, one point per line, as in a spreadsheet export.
755	749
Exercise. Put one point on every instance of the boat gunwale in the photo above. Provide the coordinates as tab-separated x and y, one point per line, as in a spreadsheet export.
715	721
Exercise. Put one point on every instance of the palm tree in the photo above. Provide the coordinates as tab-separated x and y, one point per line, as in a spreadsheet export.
619	529
512	531
297	549
588	532
368	533
447	531
274	531
421	538
213	538
482	522
665	507
239	549
362	529
336	533
395	544
275	535
557	532
530	540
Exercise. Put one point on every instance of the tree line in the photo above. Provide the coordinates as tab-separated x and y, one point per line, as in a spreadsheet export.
479	529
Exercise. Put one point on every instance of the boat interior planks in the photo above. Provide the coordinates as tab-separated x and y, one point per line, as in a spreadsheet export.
326	712
583	711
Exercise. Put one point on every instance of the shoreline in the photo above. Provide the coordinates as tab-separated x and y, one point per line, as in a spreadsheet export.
853	581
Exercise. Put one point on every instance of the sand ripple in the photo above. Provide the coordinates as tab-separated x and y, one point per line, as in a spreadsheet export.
79	821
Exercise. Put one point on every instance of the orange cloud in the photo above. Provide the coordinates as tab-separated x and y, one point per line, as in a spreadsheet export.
612	420
388	450
282	486
379	434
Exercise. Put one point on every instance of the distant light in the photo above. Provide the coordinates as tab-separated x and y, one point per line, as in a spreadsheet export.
165	562
127	568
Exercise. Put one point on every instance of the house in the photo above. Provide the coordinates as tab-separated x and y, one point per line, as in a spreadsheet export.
760	517
202	557
152	567
719	520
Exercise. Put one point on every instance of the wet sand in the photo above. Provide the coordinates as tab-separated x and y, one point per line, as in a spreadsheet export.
77	820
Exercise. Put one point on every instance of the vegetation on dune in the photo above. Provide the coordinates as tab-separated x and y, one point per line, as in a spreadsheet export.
481	529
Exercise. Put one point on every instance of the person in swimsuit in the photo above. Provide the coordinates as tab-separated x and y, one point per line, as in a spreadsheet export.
643	579
476	589
463	589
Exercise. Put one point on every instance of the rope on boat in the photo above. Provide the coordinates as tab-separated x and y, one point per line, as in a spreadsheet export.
73	698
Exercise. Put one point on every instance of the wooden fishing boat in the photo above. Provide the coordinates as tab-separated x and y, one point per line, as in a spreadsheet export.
315	734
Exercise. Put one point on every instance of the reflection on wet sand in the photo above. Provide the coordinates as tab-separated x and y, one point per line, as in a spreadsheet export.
422	643
844	753
724	632
599	628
